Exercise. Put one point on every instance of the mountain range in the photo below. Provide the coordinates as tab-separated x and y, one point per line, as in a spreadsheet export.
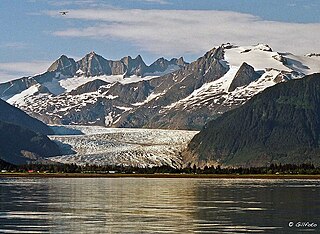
167	94
228	93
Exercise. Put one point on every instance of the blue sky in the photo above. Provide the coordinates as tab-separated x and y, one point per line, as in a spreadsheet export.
34	34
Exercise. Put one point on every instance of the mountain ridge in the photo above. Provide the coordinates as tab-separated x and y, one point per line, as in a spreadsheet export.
185	98
90	65
93	64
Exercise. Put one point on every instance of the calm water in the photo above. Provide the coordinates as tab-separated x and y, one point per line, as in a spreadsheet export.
140	205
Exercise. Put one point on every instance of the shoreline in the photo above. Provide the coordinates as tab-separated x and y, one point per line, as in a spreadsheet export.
164	176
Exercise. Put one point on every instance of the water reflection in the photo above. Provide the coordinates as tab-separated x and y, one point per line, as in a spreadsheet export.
140	205
257	205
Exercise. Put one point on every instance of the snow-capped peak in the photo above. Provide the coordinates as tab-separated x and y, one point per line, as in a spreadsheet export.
260	57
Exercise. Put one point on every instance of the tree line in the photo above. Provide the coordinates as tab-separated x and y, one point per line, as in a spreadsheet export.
74	168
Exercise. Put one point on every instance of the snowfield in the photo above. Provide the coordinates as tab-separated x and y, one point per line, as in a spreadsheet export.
121	146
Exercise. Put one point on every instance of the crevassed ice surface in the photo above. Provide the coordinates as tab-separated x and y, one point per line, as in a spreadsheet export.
123	146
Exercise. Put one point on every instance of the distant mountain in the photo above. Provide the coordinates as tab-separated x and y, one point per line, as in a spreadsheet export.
64	65
95	65
20	145
279	125
167	94
11	114
91	65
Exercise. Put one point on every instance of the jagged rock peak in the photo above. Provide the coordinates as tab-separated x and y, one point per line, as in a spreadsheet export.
129	59
126	59
245	75
139	57
162	60
181	61
93	64
60	62
92	55
64	65
63	57
216	53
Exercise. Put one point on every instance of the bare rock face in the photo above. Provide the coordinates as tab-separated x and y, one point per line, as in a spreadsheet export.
117	67
89	87
162	64
134	66
66	66
244	76
94	65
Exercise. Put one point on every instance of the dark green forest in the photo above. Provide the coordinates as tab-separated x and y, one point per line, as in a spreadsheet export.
94	169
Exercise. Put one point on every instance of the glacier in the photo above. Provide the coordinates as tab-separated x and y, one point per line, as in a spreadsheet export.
96	145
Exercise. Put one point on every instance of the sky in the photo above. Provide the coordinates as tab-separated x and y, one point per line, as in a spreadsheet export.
33	33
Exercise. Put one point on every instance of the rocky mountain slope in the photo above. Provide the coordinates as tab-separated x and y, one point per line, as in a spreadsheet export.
23	138
166	94
280	125
13	115
20	145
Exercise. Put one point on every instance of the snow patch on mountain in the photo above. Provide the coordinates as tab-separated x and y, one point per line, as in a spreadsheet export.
66	84
21	98
148	99
304	64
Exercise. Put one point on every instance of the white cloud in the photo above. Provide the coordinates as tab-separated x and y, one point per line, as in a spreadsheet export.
14	45
6	76
81	3
178	32
9	71
162	2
